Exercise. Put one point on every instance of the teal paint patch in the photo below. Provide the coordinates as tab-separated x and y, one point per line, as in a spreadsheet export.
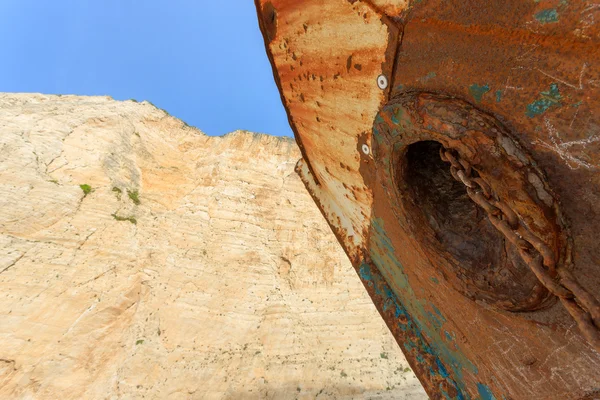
428	322
547	16
397	116
434	280
550	98
448	336
415	341
484	392
498	96
436	318
427	77
478	91
435	322
365	273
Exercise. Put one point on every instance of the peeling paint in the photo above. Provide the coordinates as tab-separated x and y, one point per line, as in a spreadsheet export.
484	392
417	343
478	91
547	16
549	98
424	317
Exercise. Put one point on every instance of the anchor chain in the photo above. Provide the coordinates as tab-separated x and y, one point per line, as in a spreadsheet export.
539	257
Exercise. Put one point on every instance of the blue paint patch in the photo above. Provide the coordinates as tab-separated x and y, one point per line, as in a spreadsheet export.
442	369
549	98
365	273
388	292
398	312
419	320
415	341
478	91
448	336
498	96
547	16
484	392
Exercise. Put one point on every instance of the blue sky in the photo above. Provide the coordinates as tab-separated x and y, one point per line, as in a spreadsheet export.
202	61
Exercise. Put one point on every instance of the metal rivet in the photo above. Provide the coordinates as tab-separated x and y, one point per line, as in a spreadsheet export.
382	82
365	149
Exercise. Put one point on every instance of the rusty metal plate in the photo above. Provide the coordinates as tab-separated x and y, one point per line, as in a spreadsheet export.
326	69
531	67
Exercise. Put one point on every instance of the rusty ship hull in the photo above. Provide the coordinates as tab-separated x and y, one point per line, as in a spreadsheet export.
454	149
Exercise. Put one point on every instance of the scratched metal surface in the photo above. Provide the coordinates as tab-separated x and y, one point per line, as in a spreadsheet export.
533	65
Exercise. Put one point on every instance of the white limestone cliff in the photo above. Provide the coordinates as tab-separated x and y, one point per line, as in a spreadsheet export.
140	258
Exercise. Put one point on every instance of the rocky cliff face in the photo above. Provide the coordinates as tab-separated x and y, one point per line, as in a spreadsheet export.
140	258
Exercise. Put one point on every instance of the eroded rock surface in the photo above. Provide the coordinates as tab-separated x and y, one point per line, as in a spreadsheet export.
140	258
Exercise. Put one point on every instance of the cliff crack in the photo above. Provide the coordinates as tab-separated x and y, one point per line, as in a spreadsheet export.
12	264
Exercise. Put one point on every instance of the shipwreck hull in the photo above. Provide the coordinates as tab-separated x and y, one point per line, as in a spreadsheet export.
508	93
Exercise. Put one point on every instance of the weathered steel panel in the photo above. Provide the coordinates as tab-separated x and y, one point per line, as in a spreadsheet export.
518	355
322	52
513	88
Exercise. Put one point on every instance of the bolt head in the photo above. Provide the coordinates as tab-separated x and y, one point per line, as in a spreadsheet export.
382	82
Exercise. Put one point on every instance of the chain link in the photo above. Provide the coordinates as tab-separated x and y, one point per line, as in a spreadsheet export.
539	257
